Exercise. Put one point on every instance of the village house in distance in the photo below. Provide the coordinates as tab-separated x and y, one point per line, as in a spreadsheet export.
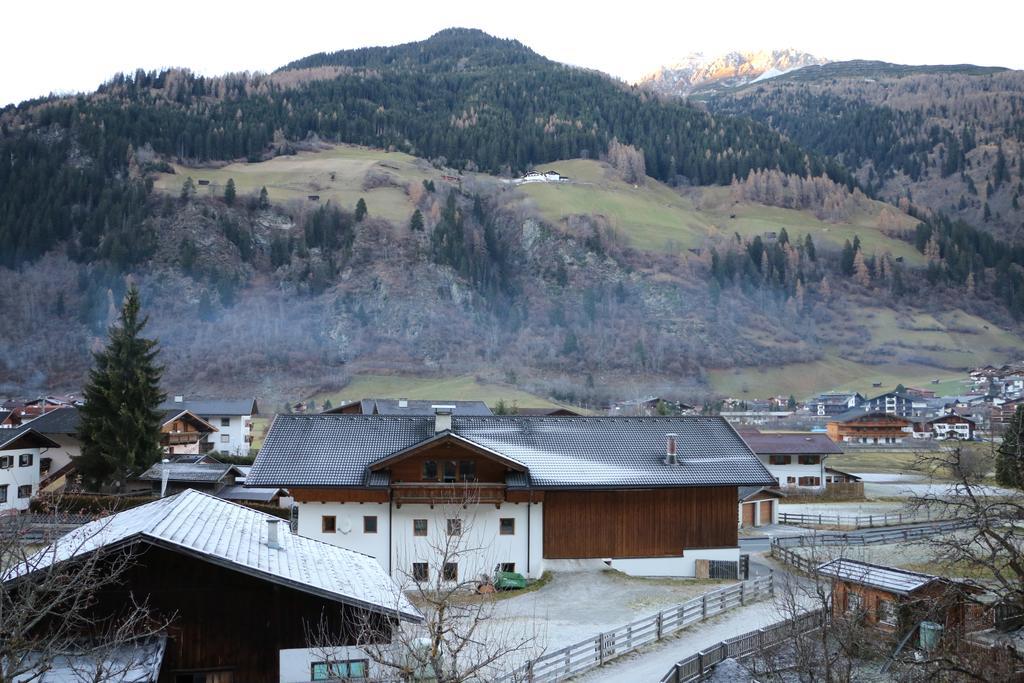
648	496
231	418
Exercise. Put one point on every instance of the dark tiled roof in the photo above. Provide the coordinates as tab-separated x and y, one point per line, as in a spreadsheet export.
791	444
24	437
413	407
562	452
224	406
59	421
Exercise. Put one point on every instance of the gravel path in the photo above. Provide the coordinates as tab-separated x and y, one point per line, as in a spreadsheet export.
575	606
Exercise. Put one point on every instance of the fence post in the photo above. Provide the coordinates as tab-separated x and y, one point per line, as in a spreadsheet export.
600	647
704	607
659	624
743	593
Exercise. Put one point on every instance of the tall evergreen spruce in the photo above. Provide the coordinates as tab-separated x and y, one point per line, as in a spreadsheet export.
120	426
1010	455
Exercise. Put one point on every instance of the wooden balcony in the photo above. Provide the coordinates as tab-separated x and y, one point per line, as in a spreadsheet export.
180	438
457	493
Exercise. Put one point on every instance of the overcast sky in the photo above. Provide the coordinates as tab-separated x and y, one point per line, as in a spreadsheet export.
73	45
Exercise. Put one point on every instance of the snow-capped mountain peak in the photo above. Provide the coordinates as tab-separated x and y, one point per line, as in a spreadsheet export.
697	71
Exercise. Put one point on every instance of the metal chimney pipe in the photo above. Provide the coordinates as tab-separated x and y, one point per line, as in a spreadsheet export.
670	450
273	541
165	474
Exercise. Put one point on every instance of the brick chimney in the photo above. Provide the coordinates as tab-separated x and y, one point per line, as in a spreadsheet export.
442	418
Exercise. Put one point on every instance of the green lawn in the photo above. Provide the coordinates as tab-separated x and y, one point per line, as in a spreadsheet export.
855	460
464	388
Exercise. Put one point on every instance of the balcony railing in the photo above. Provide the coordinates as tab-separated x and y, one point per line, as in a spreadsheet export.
461	493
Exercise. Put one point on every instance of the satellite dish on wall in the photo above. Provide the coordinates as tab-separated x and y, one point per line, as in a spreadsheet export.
345	526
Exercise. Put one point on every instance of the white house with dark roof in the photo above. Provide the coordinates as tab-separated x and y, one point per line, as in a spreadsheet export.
20	451
231	417
796	460
645	495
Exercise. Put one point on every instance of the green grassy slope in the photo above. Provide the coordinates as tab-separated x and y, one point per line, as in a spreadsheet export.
912	349
655	217
466	388
293	178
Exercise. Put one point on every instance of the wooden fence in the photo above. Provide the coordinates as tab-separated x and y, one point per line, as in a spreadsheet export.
699	664
593	652
851	521
780	548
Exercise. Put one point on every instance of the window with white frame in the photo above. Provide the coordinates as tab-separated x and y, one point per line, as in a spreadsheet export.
25	491
329	671
3	493
225	422
25	460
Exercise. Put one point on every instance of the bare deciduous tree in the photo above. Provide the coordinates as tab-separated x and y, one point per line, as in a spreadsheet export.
47	619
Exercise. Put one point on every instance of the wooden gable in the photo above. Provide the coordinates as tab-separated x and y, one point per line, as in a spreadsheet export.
451	459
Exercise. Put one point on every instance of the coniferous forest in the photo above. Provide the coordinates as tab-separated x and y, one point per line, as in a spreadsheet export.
325	284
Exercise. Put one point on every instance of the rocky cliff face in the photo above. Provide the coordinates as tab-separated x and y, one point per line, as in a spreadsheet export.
699	72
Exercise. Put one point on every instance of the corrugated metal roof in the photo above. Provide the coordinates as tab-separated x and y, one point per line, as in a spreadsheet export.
791	444
562	452
251	493
891	579
181	471
138	661
234	536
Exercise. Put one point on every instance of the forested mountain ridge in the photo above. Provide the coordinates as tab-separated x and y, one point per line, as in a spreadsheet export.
945	139
482	103
469	273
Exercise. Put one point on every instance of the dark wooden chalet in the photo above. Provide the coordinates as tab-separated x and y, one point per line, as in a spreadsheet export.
237	586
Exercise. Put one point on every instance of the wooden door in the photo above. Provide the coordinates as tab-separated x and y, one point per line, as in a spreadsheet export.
766	512
748	514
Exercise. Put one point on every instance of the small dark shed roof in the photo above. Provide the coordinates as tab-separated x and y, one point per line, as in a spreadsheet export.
889	579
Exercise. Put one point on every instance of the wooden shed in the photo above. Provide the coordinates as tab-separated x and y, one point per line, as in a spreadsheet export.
896	600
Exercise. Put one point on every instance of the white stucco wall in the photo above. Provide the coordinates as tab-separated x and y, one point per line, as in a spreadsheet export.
296	663
783	472
674	566
349	525
235	431
16	476
481	524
